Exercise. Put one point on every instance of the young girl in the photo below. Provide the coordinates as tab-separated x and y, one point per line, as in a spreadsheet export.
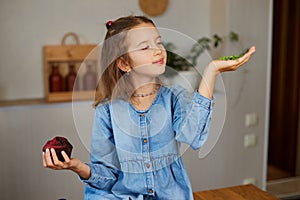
139	123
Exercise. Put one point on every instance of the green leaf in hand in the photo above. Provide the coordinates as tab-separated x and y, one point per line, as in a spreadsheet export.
233	57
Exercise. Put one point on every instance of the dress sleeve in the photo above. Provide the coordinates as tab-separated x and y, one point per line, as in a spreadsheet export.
104	163
191	118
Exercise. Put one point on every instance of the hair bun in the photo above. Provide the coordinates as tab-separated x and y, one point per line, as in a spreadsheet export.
108	24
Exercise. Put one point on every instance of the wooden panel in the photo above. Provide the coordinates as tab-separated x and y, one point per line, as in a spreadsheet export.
69	52
285	86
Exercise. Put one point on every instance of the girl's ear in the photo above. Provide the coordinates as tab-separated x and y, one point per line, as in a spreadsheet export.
123	65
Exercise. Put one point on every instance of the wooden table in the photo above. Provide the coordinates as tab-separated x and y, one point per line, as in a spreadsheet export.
243	192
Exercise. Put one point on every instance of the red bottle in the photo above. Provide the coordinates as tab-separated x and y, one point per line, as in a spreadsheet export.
89	78
71	82
55	79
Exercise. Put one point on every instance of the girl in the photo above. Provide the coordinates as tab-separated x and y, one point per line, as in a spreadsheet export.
139	123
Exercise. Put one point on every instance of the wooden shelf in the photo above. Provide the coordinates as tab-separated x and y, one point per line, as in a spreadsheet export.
37	101
22	102
67	96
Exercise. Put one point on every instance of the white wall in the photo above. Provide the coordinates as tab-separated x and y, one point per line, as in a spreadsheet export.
247	91
27	26
24	131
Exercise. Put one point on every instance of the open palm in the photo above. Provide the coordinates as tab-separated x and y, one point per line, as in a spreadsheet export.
231	65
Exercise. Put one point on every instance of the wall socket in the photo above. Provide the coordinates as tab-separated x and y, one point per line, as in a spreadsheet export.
251	119
249	181
250	140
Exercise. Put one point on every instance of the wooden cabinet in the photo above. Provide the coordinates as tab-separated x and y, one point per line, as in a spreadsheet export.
63	56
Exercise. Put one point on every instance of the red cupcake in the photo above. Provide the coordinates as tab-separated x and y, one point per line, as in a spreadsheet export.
59	144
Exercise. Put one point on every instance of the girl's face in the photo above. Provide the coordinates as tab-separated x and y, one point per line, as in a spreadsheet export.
146	52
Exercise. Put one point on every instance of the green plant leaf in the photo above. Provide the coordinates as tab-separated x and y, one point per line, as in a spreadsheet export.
217	40
234	37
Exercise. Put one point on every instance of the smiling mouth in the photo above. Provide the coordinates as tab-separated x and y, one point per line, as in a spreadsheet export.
160	61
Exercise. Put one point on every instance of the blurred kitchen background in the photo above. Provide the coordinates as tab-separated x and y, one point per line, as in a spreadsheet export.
259	140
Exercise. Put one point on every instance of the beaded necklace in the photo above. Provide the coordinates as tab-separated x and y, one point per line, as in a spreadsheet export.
148	94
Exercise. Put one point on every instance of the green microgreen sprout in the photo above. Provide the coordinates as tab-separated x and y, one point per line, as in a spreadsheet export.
233	57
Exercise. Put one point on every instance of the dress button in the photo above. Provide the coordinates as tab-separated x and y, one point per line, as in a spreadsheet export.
145	140
150	191
142	115
148	165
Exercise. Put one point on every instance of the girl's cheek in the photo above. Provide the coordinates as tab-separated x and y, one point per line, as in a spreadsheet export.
150	70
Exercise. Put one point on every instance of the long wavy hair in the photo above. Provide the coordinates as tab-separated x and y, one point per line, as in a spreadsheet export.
113	80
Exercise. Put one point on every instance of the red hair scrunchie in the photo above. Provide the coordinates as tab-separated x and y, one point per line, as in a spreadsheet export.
108	24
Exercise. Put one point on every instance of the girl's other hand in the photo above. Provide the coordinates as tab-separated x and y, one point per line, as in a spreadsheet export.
219	66
54	163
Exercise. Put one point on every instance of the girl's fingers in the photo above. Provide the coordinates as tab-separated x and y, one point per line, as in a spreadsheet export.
48	160
252	50
246	56
65	156
55	158
243	62
249	53
44	161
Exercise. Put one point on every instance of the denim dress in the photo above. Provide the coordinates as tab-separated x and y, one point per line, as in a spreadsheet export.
135	154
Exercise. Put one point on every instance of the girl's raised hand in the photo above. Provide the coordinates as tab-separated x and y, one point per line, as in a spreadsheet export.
219	66
54	163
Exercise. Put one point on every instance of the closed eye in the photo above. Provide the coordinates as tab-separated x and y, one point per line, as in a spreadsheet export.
145	48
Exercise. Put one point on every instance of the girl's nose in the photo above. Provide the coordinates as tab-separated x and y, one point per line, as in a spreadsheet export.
157	50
